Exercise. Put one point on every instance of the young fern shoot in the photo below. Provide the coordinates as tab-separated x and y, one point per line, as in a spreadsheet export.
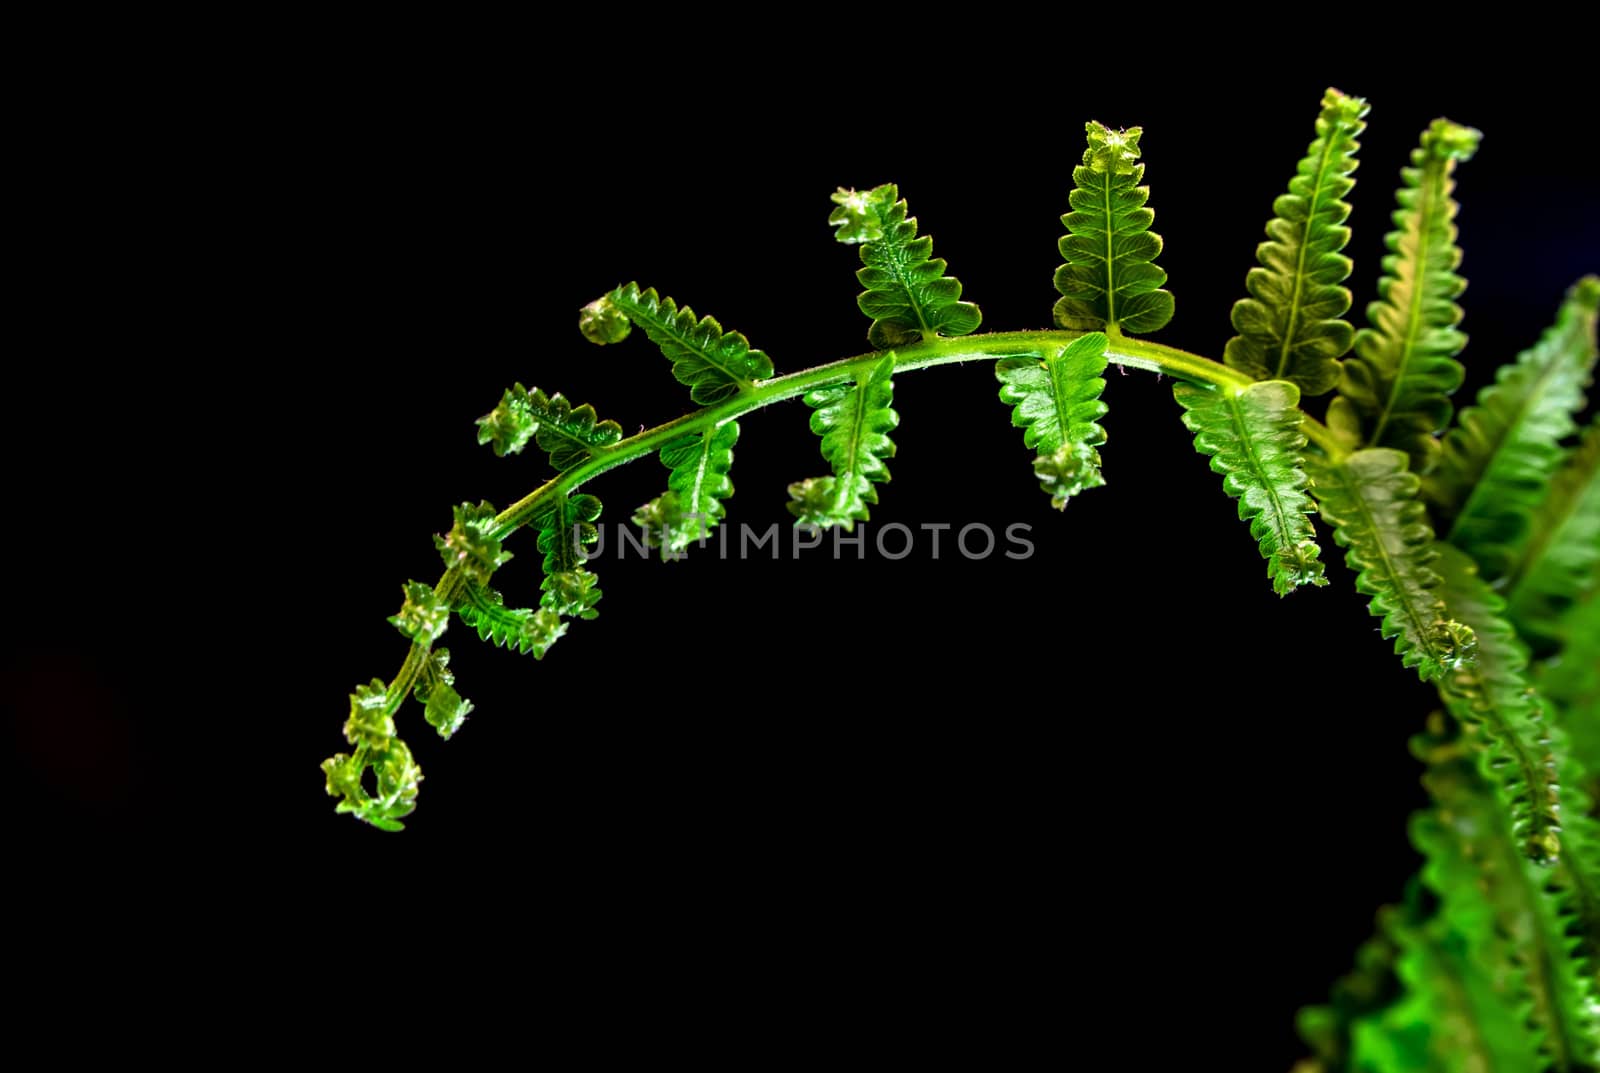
1479	552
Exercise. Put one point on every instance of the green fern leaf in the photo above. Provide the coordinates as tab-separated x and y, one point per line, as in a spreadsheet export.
570	434
1370	499
854	421
1498	461
1056	402
1292	326
396	776
1572	681
908	296
1494	693
423	616
443	708
523	629
1110	279
566	526
1254	440
713	364
692	505
1561	560
1395	389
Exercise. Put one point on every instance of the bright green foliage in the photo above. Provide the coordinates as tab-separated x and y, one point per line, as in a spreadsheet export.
1057	404
1571	680
470	544
908	296
1371	501
522	629
1494	694
1292	326
566	526
1110	278
854	421
444	708
692	504
713	364
1560	561
1254	440
1498	461
423	617
572	435
1395	389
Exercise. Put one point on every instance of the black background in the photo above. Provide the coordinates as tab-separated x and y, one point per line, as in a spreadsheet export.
1122	764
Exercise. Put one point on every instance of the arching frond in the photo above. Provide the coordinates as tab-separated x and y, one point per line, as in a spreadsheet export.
712	363
1292	326
1254	440
1110	278
854	421
1395	389
908	296
1370	499
1056	402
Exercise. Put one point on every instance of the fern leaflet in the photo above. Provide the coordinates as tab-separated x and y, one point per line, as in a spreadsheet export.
572	435
1561	560
1254	440
1494	693
1056	402
854	421
566	526
1292	326
1370	499
713	364
908	296
1497	462
1109	279
1395	389
692	504
523	629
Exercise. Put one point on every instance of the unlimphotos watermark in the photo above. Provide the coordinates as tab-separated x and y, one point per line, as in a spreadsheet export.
894	541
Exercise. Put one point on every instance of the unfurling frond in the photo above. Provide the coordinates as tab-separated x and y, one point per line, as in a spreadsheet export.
1561	560
692	504
572	435
470	544
370	729
712	363
1056	402
1254	440
1370	499
908	296
1395	389
854	421
1110	278
1497	463
566	527
1292	326
1494	693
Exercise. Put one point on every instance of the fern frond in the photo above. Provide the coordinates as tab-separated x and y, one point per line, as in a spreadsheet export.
1497	462
712	363
566	527
908	296
1561	560
1395	389
522	629
1571	680
572	435
1292	326
1109	278
370	729
1056	402
1494	693
854	421
1254	440
1370	500
692	504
